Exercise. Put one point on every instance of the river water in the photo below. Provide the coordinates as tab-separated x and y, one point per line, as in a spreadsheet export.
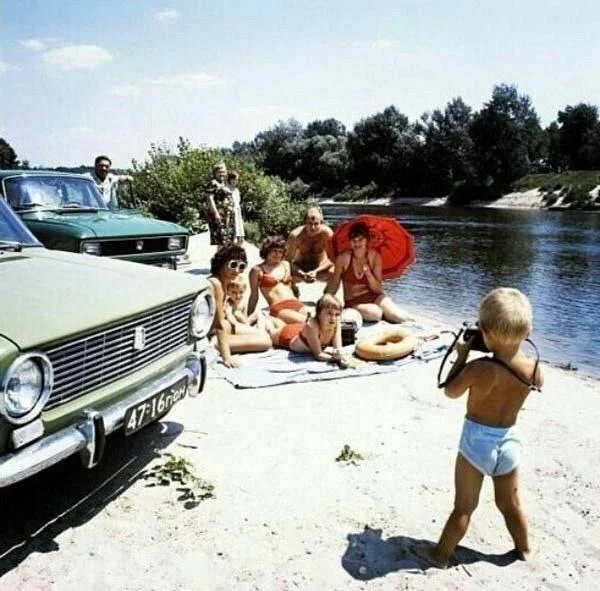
462	253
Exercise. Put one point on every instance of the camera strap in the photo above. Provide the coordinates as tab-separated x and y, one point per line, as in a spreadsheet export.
457	335
530	384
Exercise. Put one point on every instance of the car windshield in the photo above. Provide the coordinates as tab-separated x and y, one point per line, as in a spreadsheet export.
52	192
12	230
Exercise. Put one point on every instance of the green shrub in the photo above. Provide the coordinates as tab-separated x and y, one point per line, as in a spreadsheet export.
465	192
170	185
355	193
252	232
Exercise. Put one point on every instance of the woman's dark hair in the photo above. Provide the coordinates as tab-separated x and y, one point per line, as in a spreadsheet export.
358	229
271	243
229	252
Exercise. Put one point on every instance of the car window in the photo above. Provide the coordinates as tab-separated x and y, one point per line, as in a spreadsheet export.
12	228
52	192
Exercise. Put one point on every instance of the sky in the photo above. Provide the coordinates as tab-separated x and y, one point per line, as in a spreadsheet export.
80	78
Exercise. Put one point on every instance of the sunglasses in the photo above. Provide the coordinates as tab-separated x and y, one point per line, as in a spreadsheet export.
237	265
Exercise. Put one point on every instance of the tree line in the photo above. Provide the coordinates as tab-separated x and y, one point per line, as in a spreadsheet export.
455	151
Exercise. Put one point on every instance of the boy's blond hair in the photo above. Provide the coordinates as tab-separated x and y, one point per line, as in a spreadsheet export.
237	282
327	301
505	314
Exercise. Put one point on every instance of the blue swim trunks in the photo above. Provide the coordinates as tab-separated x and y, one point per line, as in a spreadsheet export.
493	451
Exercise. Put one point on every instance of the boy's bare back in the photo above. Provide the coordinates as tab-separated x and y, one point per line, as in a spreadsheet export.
495	396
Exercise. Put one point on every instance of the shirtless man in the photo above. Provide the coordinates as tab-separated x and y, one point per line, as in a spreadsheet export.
306	249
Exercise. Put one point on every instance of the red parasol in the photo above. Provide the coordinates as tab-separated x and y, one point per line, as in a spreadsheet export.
386	235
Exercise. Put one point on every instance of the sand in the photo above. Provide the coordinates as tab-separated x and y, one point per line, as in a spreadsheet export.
286	515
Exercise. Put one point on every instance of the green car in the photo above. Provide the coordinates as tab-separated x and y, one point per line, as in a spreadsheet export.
66	212
89	345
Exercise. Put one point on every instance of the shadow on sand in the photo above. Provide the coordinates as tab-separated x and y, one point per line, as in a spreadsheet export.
369	556
33	513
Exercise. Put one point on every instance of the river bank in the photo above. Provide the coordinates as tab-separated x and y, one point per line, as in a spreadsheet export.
530	199
285	515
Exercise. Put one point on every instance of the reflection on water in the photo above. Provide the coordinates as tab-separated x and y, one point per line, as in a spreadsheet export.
553	257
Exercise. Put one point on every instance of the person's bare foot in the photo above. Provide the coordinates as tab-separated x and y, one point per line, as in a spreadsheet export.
429	554
524	554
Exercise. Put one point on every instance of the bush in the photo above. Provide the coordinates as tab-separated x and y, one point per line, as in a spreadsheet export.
355	193
465	192
170	185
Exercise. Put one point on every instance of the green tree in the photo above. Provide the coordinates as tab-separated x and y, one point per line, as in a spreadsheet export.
326	127
507	138
8	157
322	161
554	155
447	147
381	148
276	149
577	130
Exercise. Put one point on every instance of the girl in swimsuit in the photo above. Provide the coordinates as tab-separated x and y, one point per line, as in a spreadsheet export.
359	271
274	279
321	336
225	266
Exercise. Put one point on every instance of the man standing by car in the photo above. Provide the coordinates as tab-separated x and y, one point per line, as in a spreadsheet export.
105	179
306	248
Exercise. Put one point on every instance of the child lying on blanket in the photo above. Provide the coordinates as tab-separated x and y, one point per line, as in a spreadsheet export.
321	335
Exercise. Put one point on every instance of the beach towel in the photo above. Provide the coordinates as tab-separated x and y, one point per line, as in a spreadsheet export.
277	366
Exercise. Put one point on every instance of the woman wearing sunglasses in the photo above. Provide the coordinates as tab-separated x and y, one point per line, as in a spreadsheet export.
274	279
225	266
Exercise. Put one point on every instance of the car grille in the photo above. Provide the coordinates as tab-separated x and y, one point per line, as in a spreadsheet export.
138	245
89	363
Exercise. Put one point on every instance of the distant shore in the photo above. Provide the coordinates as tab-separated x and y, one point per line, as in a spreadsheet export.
531	199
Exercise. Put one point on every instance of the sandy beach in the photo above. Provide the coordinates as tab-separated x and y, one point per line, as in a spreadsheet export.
286	515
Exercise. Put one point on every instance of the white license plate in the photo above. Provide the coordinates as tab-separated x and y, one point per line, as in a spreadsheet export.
149	410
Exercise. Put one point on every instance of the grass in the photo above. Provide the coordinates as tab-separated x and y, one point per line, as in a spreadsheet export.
349	456
573	186
178	470
551	181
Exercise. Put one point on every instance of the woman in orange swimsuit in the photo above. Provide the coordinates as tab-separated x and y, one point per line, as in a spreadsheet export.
225	266
274	279
321	336
359	271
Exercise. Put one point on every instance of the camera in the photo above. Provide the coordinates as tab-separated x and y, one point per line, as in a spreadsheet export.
473	331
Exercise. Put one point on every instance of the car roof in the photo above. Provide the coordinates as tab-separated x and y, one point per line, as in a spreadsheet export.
31	173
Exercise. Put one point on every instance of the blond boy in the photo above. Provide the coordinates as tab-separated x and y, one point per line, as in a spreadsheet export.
497	388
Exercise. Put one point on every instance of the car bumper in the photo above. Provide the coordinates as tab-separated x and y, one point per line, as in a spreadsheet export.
87	436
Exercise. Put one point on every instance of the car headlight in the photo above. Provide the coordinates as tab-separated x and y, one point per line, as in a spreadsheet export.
26	387
175	243
201	315
91	248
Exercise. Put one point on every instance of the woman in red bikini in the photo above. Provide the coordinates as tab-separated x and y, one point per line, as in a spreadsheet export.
359	271
274	279
321	336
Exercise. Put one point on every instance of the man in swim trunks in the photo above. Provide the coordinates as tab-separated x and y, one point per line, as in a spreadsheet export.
497	388
305	249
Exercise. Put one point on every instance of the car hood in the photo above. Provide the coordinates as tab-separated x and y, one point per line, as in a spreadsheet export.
47	296
105	224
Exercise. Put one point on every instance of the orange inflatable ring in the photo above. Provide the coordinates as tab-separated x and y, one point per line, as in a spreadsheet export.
388	344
